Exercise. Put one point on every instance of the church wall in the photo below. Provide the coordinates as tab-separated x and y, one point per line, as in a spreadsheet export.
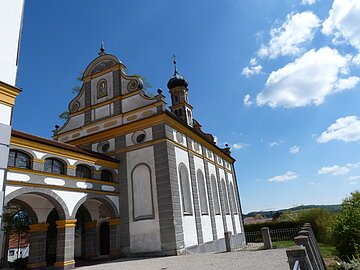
134	102
205	218
5	114
218	218
229	225
189	226
144	229
234	206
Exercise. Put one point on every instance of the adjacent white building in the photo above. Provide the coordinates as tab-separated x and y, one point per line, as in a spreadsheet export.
11	13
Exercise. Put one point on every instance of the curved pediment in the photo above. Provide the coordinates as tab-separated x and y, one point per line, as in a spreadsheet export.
101	63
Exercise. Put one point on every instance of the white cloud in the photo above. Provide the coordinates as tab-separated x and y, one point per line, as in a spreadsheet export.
250	71
253	62
294	150
343	22
288	38
289	175
239	145
272	144
339	170
354	178
247	100
307	80
356	60
308	2
216	139
346	129
334	170
347	83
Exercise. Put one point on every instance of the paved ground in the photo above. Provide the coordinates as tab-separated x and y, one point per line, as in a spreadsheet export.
242	260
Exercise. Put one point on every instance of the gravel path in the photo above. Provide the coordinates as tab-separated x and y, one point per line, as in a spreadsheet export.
244	260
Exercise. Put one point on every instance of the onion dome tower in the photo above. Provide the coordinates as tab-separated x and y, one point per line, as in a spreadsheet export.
179	97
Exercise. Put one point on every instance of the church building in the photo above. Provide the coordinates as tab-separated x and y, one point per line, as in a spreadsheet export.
125	175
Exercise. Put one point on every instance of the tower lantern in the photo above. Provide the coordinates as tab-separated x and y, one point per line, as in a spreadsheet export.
179	97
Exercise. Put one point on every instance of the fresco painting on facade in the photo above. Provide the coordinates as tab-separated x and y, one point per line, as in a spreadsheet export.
125	174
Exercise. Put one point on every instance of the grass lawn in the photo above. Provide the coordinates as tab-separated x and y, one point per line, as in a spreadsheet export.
326	251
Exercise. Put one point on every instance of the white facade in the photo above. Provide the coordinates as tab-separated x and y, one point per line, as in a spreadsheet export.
11	14
123	175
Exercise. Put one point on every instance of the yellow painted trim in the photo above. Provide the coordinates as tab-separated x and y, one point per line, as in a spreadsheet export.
149	122
98	74
114	221
98	123
5	103
199	155
57	264
116	131
151	143
36	265
8	94
143	108
38	160
16	183
178	126
67	223
61	152
69	177
140	145
97	105
41	227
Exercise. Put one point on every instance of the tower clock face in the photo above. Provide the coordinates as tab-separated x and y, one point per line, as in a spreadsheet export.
102	88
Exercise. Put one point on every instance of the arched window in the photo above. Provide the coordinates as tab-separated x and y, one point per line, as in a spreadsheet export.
142	193
54	166
202	193
225	196
233	198
83	171
106	176
185	190
19	159
215	195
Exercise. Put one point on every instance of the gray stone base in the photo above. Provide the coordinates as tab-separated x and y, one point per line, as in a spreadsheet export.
236	241
150	254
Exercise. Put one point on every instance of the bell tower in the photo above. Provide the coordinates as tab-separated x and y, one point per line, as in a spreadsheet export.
179	97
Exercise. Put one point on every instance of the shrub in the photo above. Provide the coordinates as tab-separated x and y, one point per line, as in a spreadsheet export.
272	225
321	221
346	229
354	264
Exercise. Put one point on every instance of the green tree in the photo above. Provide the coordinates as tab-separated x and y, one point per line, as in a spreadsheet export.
75	90
16	223
321	221
346	229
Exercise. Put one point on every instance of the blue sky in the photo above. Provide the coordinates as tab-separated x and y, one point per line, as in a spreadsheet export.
277	80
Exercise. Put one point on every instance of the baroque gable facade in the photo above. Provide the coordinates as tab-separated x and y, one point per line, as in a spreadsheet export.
124	175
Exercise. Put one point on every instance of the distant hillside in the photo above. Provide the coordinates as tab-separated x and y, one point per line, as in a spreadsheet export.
269	214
